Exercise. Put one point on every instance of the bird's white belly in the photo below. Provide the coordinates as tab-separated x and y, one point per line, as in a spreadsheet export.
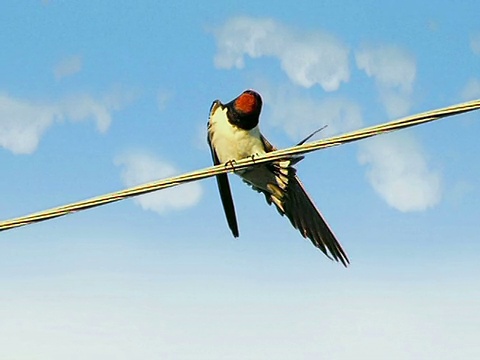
231	142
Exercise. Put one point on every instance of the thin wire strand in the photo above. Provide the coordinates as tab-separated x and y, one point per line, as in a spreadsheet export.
241	164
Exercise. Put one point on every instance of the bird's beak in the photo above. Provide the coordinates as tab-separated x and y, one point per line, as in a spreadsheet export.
214	106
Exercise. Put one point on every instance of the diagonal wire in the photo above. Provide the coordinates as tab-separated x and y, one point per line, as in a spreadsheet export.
241	164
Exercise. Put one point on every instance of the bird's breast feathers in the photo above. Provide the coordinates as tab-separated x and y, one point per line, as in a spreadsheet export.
231	142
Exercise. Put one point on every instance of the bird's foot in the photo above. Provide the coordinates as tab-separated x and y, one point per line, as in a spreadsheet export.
231	163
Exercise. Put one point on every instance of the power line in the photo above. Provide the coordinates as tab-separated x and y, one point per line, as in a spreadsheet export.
241	164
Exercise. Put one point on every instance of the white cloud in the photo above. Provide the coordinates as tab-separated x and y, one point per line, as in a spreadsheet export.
399	173
394	71
84	106
23	122
396	104
471	91
139	168
475	43
299	115
397	167
68	67
307	58
389	65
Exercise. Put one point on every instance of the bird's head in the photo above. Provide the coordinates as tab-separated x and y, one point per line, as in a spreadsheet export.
245	109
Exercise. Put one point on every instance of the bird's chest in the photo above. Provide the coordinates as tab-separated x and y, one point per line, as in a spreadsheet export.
231	142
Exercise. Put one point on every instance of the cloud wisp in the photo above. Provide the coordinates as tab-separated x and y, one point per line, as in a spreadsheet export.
397	168
23	122
393	70
164	97
307	58
68	67
398	171
475	43
138	168
471	90
298	115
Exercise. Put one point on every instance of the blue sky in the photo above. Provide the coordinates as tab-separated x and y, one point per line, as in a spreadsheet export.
96	98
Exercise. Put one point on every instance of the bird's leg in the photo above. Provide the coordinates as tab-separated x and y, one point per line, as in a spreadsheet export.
231	163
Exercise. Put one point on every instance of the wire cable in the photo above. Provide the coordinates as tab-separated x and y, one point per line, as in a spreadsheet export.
241	164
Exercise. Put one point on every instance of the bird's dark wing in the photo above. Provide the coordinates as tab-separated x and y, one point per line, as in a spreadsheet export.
225	195
291	199
304	216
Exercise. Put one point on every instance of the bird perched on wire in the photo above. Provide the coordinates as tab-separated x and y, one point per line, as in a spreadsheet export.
234	134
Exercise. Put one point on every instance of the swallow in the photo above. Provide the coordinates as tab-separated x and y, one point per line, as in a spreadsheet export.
234	134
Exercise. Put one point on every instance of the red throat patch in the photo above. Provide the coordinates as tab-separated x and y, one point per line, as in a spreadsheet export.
246	103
